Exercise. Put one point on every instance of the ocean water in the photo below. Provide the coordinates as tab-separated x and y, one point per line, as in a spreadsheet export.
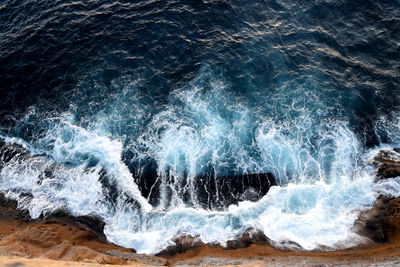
170	117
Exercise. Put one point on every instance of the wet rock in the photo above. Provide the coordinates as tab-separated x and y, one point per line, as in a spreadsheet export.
287	244
185	242
382	222
251	236
182	243
389	164
10	209
148	181
217	193
210	191
6	202
250	195
9	152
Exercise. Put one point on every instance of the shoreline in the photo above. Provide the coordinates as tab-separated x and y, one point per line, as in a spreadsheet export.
65	240
59	242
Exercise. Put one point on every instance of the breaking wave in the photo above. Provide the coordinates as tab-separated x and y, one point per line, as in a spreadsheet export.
207	126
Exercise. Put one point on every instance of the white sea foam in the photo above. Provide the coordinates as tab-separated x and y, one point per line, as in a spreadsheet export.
72	182
323	173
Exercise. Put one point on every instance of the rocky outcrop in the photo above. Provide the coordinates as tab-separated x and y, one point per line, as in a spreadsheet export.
382	222
185	242
182	243
88	223
60	236
251	236
388	162
9	208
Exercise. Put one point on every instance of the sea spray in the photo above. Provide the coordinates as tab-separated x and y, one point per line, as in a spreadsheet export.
149	114
323	185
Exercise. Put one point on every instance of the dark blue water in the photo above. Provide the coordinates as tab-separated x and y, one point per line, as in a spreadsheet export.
167	97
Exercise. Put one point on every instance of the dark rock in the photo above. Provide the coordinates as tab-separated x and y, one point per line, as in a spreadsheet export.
389	164
8	203
382	222
210	191
183	243
10	208
251	236
250	195
287	244
9	152
222	191
148	180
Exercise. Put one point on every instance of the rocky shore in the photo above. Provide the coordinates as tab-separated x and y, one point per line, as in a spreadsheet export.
65	240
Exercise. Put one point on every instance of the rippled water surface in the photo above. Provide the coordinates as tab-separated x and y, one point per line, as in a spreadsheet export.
169	117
